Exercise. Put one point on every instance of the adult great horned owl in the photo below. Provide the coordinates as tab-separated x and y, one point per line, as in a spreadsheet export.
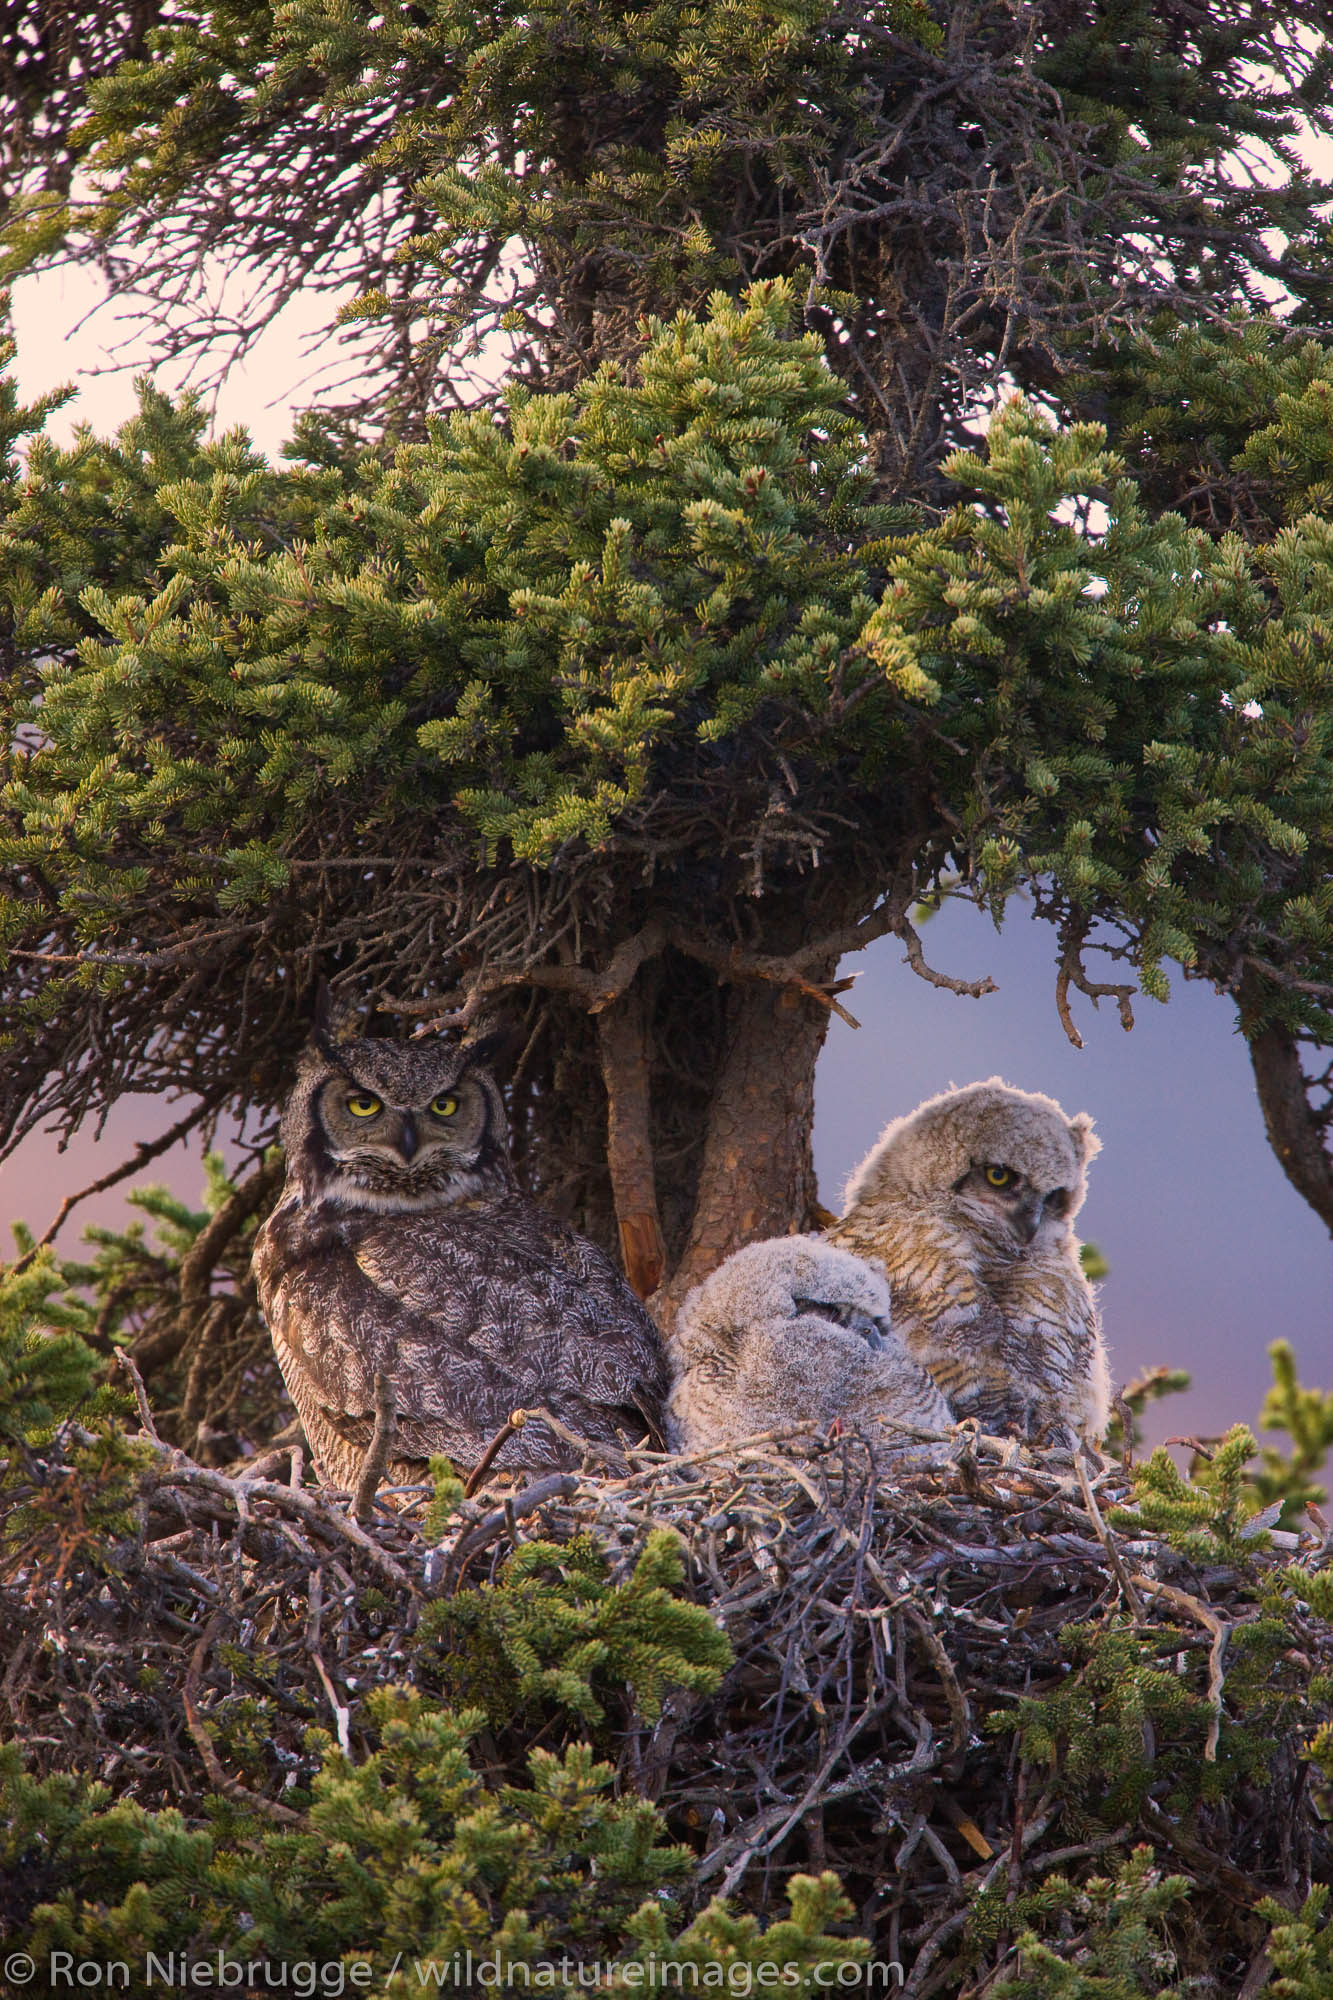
401	1244
791	1331
969	1204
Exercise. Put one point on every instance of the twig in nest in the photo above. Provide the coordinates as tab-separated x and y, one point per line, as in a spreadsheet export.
378	1450
140	1397
1104	1536
177	1470
1260	1972
556	1486
342	1715
606	1453
967	1826
203	1742
773	1825
959	1713
1182	1600
511	1426
265	1463
1196	1445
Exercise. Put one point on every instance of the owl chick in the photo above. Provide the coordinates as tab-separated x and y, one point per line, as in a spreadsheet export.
401	1244
969	1204
791	1331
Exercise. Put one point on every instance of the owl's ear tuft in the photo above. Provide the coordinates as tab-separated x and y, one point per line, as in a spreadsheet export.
1086	1142
334	1019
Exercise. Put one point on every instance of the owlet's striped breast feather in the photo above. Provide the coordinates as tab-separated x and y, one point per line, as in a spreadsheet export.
402	1245
969	1204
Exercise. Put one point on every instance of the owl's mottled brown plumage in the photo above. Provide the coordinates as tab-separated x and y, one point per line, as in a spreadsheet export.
969	1203
401	1245
792	1331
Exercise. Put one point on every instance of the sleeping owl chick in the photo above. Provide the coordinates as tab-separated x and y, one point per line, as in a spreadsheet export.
402	1245
791	1331
969	1204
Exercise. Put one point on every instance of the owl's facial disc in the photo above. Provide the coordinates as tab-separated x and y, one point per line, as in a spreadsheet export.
401	1142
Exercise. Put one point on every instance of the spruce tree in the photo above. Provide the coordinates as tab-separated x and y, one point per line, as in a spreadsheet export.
712	639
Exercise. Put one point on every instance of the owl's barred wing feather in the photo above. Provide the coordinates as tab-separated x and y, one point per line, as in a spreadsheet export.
334	1329
514	1285
466	1331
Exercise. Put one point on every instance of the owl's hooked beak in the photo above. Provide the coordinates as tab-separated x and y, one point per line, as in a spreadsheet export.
1027	1214
407	1136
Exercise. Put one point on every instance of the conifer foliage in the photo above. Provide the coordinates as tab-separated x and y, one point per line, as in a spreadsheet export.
972	188
663	675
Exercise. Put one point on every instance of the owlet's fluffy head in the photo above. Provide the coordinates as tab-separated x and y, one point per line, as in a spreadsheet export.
783	1278
1009	1160
395	1127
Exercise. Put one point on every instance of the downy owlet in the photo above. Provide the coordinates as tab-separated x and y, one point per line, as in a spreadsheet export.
792	1331
969	1203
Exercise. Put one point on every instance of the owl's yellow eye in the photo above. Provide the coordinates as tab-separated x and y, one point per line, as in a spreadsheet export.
362	1105
444	1107
999	1177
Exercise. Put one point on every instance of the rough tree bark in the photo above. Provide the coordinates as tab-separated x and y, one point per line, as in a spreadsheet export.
622	1036
1296	1131
757	1176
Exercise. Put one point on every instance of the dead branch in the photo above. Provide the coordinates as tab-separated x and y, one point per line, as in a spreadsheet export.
141	1397
1071	972
512	1425
1194	1608
379	1449
973	988
221	1780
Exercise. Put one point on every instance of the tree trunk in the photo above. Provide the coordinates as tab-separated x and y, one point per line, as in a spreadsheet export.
757	1174
1296	1133
622	1037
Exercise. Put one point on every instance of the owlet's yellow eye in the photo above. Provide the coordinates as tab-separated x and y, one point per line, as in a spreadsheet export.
444	1107
362	1105
999	1177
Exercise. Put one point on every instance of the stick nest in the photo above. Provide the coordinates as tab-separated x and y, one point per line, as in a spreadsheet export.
948	1680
